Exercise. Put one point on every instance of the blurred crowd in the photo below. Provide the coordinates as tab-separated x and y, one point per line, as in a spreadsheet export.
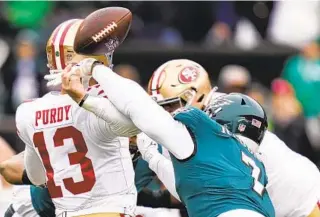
292	99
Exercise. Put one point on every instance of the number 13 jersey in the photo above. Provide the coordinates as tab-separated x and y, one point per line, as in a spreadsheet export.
88	168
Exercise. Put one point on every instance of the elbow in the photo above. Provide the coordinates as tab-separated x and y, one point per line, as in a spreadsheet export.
10	175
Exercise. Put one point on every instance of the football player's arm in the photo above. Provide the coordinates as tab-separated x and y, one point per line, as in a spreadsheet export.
12	169
113	120
158	163
164	170
34	171
131	100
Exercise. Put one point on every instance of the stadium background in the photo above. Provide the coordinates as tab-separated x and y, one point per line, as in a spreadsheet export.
258	48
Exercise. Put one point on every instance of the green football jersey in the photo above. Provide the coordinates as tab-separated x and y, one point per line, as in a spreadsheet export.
222	174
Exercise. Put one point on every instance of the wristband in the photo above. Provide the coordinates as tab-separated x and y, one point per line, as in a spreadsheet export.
83	99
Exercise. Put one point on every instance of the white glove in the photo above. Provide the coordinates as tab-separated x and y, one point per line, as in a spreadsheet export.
147	147
84	68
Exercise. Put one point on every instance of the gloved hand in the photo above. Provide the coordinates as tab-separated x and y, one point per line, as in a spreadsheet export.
147	147
83	69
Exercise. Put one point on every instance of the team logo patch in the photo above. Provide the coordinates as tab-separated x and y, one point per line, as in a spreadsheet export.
256	123
188	75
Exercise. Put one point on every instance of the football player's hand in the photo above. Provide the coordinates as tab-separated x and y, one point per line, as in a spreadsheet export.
85	66
72	84
147	146
84	69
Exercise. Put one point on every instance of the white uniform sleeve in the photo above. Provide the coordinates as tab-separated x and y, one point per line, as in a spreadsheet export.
130	99
164	169
33	166
32	162
114	121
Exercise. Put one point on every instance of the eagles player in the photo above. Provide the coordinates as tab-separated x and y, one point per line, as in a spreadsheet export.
196	144
285	185
284	178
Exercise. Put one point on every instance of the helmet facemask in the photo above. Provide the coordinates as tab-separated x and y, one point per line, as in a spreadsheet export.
186	98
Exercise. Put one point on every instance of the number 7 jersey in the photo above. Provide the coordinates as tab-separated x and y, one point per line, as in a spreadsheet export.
221	175
88	168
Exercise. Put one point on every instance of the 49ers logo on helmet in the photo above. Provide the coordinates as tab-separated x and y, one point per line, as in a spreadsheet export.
188	75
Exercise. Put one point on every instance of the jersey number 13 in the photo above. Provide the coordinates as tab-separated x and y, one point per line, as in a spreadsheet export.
75	158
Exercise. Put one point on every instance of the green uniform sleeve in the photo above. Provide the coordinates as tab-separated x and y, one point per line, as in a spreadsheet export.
195	119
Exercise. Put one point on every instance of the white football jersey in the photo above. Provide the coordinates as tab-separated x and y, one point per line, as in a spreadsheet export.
88	168
293	180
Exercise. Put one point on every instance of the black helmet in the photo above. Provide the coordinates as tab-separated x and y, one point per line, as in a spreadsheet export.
240	114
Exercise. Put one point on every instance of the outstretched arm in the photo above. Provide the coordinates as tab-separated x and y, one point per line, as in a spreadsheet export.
113	121
131	100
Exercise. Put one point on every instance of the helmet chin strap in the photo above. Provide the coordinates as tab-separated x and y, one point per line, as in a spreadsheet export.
253	146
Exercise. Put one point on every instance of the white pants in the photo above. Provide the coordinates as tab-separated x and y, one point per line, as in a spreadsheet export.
156	212
22	202
241	213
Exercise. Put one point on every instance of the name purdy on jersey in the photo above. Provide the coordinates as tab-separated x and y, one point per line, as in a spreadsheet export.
53	117
88	167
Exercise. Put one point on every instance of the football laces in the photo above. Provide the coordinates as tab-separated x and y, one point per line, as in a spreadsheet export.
104	32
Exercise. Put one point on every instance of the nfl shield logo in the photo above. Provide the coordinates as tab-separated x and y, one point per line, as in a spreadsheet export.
241	127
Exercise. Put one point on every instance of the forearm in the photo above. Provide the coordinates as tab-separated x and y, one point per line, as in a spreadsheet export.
164	169
131	100
117	122
12	169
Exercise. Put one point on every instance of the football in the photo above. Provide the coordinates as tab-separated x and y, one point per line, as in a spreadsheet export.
102	31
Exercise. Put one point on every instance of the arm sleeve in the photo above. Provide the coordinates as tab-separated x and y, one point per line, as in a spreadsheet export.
113	120
164	169
33	166
131	100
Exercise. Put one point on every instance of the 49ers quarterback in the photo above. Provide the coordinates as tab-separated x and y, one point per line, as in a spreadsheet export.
85	165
